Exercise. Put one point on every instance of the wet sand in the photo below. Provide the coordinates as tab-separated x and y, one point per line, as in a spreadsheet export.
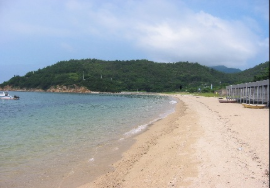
203	144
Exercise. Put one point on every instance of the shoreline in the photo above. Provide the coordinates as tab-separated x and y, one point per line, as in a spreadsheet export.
83	159
202	144
108	154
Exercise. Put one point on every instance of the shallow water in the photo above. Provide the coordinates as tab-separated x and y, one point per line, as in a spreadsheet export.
45	138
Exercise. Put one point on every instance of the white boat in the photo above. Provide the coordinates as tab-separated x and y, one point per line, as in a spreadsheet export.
6	96
227	100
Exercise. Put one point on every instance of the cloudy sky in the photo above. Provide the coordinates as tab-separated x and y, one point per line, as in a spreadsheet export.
38	33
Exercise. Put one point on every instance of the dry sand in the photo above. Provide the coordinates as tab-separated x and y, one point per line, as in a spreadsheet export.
203	144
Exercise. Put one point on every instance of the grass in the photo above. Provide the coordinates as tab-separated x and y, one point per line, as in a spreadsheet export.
195	94
207	94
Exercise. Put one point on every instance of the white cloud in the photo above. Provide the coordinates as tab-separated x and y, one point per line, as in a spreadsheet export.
166	31
200	37
170	32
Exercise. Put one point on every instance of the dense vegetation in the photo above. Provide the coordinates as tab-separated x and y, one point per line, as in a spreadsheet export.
264	75
133	75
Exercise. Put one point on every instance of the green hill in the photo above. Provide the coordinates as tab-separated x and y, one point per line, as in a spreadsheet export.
132	75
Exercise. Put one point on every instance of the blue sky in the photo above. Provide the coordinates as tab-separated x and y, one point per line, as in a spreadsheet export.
38	33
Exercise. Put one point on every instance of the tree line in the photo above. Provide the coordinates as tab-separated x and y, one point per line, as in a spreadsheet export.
134	75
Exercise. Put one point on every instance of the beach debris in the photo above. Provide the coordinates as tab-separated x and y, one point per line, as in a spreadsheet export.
91	160
266	172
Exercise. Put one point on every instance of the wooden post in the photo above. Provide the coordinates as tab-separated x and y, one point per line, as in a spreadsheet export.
240	95
257	94
249	94
268	94
246	94
262	93
253	94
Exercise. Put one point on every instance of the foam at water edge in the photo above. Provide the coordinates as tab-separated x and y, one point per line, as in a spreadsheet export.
143	127
135	130
173	102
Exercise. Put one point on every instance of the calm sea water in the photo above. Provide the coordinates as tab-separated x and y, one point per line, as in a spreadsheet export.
46	137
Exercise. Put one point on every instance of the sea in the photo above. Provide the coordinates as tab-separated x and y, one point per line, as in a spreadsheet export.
68	139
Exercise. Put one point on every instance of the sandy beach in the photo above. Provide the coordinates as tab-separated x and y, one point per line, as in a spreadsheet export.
203	144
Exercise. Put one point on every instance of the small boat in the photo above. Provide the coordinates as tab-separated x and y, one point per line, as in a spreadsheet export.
254	106
227	100
6	96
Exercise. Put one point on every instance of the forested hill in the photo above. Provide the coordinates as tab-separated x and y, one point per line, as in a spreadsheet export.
133	75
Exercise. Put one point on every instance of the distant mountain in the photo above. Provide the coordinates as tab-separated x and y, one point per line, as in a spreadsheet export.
224	69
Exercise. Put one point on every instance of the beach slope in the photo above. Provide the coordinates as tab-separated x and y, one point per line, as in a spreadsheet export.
203	144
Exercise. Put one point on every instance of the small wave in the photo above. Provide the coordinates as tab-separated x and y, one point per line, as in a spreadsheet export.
173	102
164	115
136	130
143	127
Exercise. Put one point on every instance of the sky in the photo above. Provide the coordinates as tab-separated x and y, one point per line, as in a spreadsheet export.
38	33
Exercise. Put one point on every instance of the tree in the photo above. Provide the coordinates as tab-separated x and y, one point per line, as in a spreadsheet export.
264	75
